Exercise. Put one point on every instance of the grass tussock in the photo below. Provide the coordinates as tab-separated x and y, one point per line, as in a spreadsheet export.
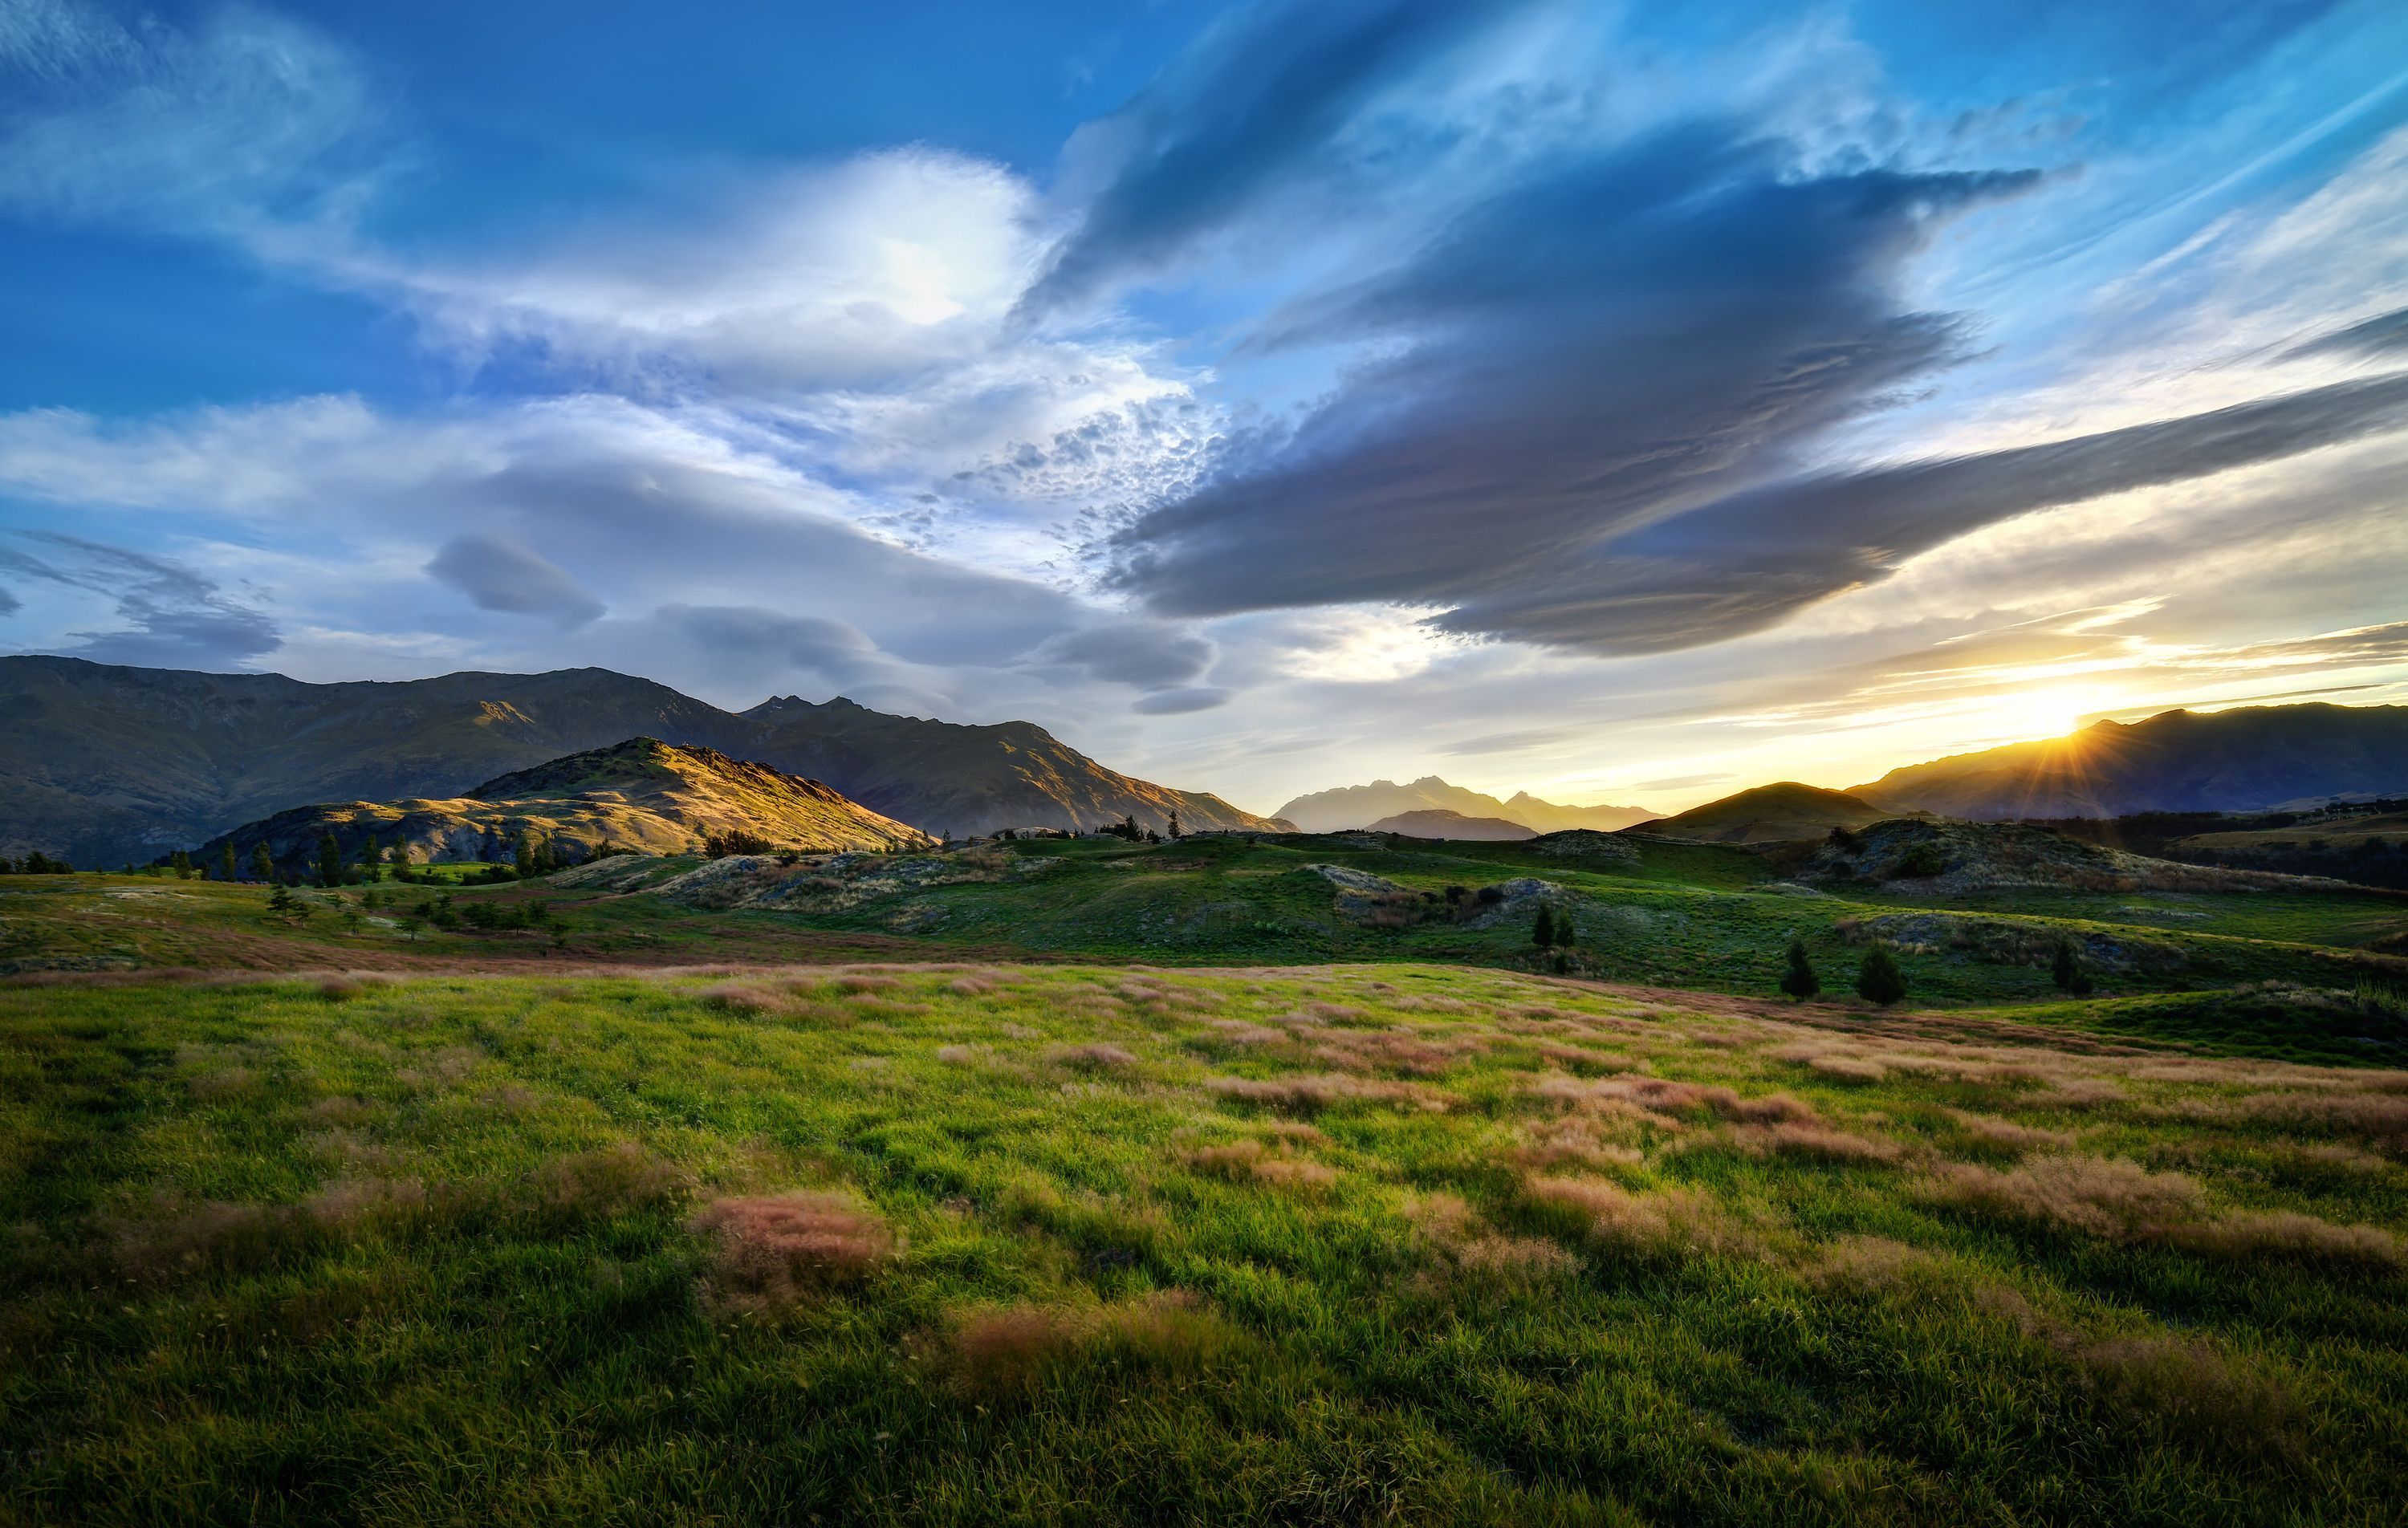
1550	1146
1663	1222
1991	1135
1818	1142
2123	1201
743	997
772	1252
1865	1265
621	1178
1252	1161
1313	1095
1015	1352
1093	1058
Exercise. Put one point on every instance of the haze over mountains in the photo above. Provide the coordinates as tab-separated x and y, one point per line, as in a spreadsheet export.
106	763
1364	806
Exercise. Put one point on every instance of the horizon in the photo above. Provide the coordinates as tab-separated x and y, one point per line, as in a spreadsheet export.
1627	409
1504	793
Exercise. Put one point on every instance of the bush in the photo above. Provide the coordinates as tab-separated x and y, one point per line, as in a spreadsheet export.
1878	980
1921	860
1799	981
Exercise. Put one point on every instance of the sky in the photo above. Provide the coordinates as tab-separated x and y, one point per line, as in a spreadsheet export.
1625	404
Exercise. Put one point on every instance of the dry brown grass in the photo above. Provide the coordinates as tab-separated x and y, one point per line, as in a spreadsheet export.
174	1239
2287	1235
1572	1143
368	1205
1870	1266
620	1178
2076	1092
1798	1139
1389	1050
2105	1196
1092	1058
865	982
772	1252
1240	1032
1672	1222
1849	1068
743	997
2189	1388
1312	1094
2380	1119
1016	1350
2005	1137
1250	1162
971	986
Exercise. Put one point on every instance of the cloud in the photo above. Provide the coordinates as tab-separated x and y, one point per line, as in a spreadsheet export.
1181	701
9	603
240	118
1137	653
498	575
1266	88
1682	782
174	617
2384	335
1578	355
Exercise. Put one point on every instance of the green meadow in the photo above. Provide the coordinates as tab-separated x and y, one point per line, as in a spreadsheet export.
1156	1184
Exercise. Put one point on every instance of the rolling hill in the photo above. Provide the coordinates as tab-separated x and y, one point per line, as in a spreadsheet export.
104	764
2237	761
1363	805
1434	823
641	795
1770	814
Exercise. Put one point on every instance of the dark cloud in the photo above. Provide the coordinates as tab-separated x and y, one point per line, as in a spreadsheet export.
175	618
1179	702
826	647
500	575
1575	357
2385	333
9	603
1137	652
1264	90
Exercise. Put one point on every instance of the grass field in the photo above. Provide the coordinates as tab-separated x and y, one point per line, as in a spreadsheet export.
967	1243
926	1201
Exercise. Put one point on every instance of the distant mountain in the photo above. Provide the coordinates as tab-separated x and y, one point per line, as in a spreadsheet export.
1771	814
642	795
1360	805
104	764
1431	822
2243	760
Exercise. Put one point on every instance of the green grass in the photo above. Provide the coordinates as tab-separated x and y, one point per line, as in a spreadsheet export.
427	1251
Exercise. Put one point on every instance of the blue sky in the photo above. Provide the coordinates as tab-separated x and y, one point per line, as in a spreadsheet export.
1620	403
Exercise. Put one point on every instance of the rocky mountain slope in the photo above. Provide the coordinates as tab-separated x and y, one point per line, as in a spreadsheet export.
105	763
2237	761
642	795
1770	814
1361	805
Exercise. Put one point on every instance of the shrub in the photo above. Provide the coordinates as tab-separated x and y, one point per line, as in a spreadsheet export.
1799	981
1879	980
2066	970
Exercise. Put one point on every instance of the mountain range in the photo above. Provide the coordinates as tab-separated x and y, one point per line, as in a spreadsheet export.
106	763
1366	806
2244	759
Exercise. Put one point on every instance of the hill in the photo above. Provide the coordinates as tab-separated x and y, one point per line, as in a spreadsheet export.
641	795
1360	805
105	763
2249	759
1770	814
1444	824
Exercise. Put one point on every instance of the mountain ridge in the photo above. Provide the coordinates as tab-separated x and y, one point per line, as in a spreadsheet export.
108	763
2244	758
1359	805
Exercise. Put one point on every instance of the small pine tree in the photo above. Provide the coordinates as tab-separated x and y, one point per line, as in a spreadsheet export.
227	867
279	901
371	856
1542	932
2067	971
1879	980
181	864
522	855
263	865
1566	935
1799	981
330	861
1174	825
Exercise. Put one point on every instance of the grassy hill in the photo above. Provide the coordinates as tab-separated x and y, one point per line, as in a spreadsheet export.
1770	814
2246	758
988	1242
106	764
644	796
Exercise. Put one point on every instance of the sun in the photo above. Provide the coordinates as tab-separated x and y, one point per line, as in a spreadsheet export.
2045	711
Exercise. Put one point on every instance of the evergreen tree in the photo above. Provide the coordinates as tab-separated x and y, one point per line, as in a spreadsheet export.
371	856
1174	825
2067	969
522	855
263	865
1878	980
1799	981
227	867
279	901
400	857
1566	935
8	865
330	861
181	864
1542	932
